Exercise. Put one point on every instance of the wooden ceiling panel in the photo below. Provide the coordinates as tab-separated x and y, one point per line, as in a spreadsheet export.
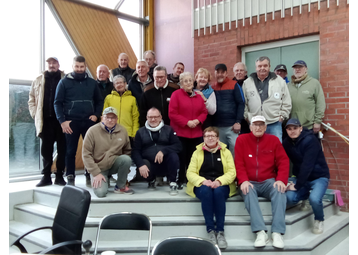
97	34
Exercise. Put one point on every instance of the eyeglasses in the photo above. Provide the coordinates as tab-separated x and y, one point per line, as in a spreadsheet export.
258	124
153	117
210	136
110	118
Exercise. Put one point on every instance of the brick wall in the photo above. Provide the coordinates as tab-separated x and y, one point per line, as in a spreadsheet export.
332	25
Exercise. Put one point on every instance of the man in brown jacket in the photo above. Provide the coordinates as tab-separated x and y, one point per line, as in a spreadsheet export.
41	98
106	150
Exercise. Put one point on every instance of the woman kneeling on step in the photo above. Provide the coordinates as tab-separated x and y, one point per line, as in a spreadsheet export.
211	175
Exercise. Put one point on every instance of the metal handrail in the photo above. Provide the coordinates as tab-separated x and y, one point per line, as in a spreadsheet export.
328	127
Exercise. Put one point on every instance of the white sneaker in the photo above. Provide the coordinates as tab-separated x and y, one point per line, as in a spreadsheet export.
261	239
305	205
317	227
173	189
221	240
212	236
277	240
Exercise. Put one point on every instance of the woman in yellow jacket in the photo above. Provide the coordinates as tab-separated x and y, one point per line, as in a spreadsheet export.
211	175
125	104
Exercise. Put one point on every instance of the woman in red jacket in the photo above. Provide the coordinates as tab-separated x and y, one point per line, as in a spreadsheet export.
187	112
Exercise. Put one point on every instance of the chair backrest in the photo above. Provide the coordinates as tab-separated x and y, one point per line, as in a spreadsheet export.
185	245
125	221
70	218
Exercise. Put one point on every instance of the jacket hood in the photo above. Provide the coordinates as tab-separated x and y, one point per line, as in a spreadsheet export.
305	132
126	93
271	75
69	76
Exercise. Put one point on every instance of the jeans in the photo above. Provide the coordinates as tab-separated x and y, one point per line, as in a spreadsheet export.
318	188
227	136
189	146
51	133
278	203
275	129
78	128
169	167
120	167
213	203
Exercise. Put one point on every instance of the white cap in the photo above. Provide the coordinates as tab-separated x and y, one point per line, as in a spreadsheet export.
110	110
258	118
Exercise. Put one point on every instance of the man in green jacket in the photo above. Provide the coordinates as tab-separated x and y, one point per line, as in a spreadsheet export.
308	102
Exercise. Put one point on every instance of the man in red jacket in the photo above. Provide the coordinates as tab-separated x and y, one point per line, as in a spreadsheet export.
262	168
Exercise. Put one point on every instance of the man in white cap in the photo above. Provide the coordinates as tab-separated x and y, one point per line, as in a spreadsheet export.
41	99
106	150
262	168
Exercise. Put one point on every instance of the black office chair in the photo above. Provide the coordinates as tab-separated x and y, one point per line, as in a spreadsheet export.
68	223
185	245
125	221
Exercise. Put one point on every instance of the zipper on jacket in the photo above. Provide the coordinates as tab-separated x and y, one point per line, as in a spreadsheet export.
257	161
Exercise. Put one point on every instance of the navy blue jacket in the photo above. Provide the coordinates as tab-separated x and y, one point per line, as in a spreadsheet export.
77	99
230	104
145	148
307	157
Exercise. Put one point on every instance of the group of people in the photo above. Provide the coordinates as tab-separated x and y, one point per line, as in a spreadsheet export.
210	136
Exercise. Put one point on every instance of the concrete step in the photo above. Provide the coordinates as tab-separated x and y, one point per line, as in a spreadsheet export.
296	222
335	232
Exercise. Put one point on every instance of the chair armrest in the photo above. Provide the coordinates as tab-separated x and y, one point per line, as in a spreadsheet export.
66	243
17	241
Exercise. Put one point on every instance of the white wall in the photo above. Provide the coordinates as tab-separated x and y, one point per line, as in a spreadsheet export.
172	34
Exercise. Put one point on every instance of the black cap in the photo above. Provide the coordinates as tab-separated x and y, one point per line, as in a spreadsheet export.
293	122
281	67
221	66
300	63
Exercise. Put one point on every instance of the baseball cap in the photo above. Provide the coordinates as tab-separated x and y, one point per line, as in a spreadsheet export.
53	58
300	63
258	118
110	110
221	66
293	122
281	67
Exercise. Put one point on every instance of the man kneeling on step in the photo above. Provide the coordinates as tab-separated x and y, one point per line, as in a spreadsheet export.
262	168
155	151
106	151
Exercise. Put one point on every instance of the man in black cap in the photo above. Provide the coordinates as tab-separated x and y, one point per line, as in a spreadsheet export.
41	98
229	107
281	70
308	102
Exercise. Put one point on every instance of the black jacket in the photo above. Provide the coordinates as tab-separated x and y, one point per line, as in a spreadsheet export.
105	91
145	148
307	157
135	87
77	99
126	72
158	98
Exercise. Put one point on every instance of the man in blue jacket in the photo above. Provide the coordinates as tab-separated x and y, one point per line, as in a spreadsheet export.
78	104
309	168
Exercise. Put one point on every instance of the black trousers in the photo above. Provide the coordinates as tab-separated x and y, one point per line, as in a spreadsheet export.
51	133
188	148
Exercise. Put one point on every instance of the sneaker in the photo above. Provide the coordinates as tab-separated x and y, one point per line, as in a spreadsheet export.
159	181
277	240
59	180
180	185
112	179
221	240
45	181
88	181
151	185
125	190
70	180
305	205
212	236
317	227
173	189
261	239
